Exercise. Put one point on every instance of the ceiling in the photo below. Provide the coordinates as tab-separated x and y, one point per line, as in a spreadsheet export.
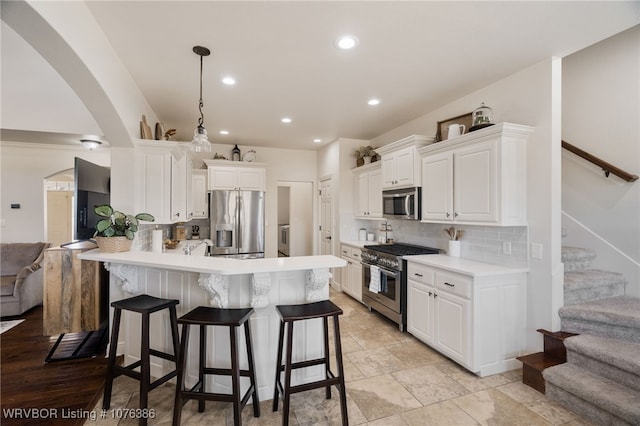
413	56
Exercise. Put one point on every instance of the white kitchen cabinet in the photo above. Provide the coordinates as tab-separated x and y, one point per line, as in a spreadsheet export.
369	191
199	201
472	312
162	181
352	274
233	175
401	163
477	178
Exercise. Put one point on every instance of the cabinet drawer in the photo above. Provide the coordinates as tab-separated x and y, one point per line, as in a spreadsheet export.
345	251
454	283
420	273
355	253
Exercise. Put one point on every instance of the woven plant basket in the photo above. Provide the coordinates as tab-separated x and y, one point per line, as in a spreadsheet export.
113	244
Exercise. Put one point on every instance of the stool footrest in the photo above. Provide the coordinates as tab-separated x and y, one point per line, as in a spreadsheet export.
225	372
304	364
162	355
195	393
162	380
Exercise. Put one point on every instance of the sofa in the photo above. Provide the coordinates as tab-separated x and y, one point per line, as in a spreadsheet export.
22	277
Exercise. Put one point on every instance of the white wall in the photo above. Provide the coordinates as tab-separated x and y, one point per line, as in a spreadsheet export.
601	115
531	97
24	167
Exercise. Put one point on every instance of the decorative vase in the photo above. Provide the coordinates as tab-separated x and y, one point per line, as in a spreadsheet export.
454	248
113	244
367	159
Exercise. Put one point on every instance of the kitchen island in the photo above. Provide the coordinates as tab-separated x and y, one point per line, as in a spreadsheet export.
225	283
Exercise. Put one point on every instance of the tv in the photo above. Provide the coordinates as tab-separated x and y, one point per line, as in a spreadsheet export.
92	188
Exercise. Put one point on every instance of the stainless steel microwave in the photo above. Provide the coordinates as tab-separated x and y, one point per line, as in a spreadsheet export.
401	203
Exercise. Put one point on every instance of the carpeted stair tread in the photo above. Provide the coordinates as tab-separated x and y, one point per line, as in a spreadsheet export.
576	258
616	317
615	359
601	392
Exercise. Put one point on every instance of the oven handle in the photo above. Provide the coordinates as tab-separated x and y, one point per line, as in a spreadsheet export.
382	269
407	198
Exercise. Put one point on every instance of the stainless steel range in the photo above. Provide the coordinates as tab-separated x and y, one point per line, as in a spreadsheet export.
384	282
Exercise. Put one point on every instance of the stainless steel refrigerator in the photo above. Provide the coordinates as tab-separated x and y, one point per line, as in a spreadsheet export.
237	223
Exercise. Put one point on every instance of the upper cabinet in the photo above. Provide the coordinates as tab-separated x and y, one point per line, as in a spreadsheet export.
163	180
401	162
199	203
368	181
228	175
480	177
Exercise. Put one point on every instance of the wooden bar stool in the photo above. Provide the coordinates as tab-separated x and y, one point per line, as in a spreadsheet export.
232	318
289	314
144	305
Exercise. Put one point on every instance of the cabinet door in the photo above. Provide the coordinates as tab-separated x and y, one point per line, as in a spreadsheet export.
154	183
223	178
346	276
452	322
199	204
404	167
362	197
356	280
375	193
251	178
437	187
388	171
475	183
179	187
420	311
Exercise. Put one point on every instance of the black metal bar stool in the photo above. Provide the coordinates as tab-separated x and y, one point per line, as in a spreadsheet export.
289	314
232	318
144	305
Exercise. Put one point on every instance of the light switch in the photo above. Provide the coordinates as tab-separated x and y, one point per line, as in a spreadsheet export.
536	250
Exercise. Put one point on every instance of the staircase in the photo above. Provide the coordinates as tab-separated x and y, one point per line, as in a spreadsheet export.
601	377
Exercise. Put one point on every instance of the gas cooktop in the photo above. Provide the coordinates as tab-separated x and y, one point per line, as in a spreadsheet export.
400	249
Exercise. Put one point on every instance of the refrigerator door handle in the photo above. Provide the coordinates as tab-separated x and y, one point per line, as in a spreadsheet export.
239	223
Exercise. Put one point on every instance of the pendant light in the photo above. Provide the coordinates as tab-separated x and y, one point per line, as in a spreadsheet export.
200	143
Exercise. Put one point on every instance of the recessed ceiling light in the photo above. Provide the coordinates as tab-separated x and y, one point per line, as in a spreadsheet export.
229	81
317	140
224	132
373	101
347	42
286	120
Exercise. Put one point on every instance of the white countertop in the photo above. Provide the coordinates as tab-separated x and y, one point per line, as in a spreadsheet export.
359	243
214	265
463	266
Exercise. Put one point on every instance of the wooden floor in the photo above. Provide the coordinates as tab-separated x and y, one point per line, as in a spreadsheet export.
64	392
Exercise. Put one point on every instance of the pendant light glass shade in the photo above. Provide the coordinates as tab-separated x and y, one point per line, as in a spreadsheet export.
200	142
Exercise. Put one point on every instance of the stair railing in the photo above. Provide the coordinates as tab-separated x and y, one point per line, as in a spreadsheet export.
607	168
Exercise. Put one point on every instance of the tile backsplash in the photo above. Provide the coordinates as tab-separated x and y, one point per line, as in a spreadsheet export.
481	243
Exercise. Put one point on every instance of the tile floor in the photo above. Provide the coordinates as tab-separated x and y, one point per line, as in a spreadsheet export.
392	379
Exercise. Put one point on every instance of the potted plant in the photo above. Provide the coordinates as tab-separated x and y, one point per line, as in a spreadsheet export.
116	232
364	155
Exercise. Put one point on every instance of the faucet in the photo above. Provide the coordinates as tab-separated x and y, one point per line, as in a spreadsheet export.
188	246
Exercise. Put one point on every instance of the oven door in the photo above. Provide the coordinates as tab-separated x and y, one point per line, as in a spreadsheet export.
390	288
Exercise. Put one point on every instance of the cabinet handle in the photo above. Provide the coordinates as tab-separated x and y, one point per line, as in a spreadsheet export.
435	294
455	214
448	214
449	284
417	274
178	214
430	294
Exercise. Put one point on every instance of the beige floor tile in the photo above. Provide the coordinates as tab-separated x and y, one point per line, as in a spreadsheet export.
374	362
381	396
312	408
396	420
351	372
374	337
429	385
492	407
444	413
415	353
535	401
470	381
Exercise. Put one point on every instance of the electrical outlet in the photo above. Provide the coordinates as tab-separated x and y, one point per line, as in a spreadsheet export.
506	248
536	250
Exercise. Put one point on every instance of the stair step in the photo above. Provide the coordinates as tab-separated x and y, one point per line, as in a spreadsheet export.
615	317
591	395
532	367
592	284
618	360
554	343
576	258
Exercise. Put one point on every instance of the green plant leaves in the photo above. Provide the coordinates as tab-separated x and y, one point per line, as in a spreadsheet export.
104	210
145	216
118	223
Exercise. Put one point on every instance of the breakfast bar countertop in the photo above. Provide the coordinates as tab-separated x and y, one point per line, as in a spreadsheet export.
214	265
464	266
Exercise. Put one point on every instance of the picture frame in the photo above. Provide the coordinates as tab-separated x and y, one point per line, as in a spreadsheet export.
442	132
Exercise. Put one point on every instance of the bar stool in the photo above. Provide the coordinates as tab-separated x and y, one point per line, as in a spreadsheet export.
144	305
289	314
231	318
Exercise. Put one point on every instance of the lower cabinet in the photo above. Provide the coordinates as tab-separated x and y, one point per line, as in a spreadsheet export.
476	319
352	274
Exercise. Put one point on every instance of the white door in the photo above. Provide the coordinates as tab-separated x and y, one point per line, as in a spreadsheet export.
59	212
326	216
475	182
437	187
